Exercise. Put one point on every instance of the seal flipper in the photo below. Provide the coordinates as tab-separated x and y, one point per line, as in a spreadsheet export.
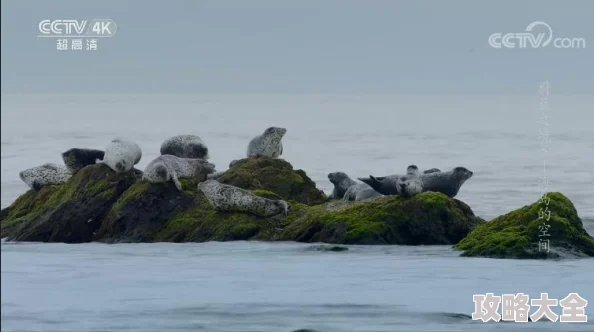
281	149
366	180
176	181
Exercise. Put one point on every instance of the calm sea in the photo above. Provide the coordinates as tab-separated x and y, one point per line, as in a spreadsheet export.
253	286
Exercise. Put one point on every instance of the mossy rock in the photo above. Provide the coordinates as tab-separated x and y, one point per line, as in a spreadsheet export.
425	219
517	234
144	209
70	212
274	175
149	212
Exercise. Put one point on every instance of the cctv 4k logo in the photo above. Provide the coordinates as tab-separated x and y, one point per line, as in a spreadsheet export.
77	28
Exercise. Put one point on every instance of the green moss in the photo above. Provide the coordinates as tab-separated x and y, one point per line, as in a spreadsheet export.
266	194
427	218
203	223
70	212
517	234
274	175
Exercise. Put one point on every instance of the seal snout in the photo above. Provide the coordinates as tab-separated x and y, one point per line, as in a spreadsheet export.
161	172
121	166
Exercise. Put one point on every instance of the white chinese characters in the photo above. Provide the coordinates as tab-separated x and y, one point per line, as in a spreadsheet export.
544	214
515	307
76	44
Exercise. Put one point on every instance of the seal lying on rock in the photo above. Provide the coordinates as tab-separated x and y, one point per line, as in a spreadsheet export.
268	144
46	174
347	189
229	198
448	183
410	184
121	155
76	159
169	168
185	146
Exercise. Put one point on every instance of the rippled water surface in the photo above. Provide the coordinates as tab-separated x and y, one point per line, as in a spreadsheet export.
285	286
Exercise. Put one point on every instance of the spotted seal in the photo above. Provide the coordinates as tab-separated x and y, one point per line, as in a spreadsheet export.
170	168
46	174
121	155
410	184
268	144
347	189
76	159
185	146
448	183
227	198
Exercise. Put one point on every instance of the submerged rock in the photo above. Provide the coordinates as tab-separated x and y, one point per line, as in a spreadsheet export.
522	233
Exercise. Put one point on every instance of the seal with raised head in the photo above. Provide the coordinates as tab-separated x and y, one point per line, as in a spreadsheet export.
121	155
341	182
185	146
448	183
347	189
46	174
170	168
76	159
227	198
268	144
410	184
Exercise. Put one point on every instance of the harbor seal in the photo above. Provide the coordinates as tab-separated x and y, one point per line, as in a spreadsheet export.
410	184
448	183
431	170
46	174
121	155
227	198
341	182
347	189
268	144
170	168
185	146
76	159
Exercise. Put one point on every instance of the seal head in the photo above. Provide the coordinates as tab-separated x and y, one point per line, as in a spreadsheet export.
410	184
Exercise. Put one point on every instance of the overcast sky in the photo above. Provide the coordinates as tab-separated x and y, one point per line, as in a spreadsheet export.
301	46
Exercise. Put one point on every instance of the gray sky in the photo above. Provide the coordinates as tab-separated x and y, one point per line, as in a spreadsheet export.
304	46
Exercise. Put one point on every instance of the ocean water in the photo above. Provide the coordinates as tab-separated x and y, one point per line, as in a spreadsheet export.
250	286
